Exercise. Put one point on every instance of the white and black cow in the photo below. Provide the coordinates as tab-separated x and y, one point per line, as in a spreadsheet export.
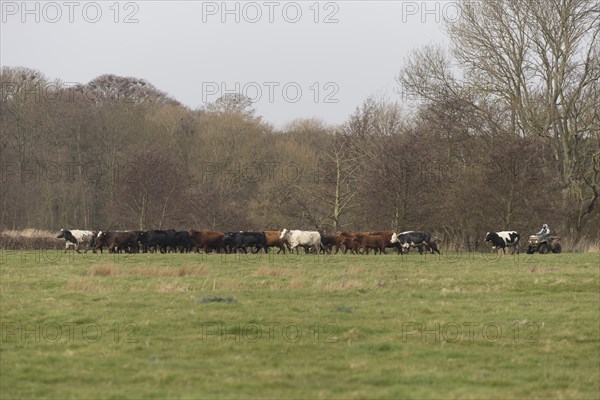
504	239
417	239
77	238
306	239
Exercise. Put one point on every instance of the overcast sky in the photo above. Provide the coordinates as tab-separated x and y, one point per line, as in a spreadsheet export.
302	59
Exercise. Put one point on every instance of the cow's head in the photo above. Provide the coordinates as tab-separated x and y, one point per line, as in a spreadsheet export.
284	233
101	237
67	235
228	238
488	237
143	236
394	238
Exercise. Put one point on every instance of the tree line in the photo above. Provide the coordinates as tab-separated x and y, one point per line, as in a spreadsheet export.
508	140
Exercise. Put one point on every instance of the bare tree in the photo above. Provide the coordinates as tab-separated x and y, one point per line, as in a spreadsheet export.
149	190
537	62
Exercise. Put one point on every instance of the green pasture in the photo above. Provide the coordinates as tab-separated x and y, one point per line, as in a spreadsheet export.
456	326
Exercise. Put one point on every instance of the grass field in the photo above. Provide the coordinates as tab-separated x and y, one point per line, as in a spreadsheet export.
468	326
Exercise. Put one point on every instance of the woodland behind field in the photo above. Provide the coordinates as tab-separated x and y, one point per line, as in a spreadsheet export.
508	141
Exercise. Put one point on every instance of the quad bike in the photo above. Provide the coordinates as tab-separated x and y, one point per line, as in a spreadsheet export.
543	244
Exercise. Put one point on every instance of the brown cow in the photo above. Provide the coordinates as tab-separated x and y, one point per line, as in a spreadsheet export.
206	240
274	241
387	236
350	241
375	242
338	242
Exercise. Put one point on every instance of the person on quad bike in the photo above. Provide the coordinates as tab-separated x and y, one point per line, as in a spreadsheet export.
544	232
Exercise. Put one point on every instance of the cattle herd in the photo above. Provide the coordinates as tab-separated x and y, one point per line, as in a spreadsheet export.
164	241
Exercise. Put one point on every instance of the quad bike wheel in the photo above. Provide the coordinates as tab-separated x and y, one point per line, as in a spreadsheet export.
544	249
530	250
557	249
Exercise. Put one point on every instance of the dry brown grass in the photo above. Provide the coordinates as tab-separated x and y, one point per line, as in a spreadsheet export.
172	287
27	239
102	270
162	271
296	283
30	233
354	271
276	272
86	284
338	285
581	246
229	285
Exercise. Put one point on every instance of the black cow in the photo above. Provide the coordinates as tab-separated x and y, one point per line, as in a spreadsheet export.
234	241
183	242
165	241
155	240
418	239
504	239
118	241
327	242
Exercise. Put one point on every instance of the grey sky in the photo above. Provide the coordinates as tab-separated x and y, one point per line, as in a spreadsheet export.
185	49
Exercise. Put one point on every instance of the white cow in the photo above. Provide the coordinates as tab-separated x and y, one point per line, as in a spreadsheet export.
77	238
306	239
